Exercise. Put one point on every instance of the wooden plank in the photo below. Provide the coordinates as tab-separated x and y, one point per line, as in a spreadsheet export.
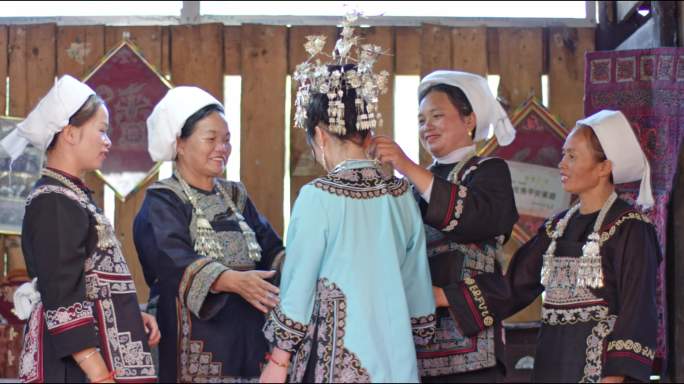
166	51
148	38
32	65
383	37
79	48
231	50
407	46
303	166
124	214
435	54
197	57
15	257
4	48
521	55
493	51
264	68
469	50
567	47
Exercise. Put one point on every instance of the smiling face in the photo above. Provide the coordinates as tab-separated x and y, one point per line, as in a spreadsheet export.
205	152
442	128
583	166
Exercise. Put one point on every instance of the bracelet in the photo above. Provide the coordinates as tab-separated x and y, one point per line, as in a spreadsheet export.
270	358
88	356
104	378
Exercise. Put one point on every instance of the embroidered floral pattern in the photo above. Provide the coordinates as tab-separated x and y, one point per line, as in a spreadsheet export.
594	352
613	228
361	183
563	289
66	318
197	281
284	332
109	286
477	304
194	364
334	362
631	346
31	360
562	316
423	328
458	208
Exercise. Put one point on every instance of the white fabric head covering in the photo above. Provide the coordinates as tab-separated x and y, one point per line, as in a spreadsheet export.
489	113
168	117
623	150
51	115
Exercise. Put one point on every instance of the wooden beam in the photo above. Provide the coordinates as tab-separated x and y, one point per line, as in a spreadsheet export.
4	62
264	68
197	57
469	50
32	65
520	53
231	50
435	54
79	49
625	9
567	47
148	38
407	50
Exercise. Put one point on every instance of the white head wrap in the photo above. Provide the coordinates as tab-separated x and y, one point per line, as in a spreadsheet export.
168	117
489	113
623	150
51	115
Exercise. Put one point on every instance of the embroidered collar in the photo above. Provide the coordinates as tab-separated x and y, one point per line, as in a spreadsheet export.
76	180
360	179
456	155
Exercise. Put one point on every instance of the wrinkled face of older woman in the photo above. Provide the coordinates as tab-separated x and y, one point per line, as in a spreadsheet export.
205	152
442	129
579	167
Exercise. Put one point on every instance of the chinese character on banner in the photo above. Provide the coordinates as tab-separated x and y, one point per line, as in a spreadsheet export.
131	87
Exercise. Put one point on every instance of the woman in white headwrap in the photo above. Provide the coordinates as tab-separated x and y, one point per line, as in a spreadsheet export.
596	263
205	249
83	316
468	209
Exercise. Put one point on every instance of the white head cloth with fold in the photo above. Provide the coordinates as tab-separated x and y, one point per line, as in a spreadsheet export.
622	148
489	113
50	117
168	117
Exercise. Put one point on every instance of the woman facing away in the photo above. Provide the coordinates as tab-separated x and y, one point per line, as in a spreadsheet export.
355	288
84	320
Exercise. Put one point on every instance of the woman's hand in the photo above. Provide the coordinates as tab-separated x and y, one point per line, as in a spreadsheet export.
613	379
252	286
151	328
440	297
386	150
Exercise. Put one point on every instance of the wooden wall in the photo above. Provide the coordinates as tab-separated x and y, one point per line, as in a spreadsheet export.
32	55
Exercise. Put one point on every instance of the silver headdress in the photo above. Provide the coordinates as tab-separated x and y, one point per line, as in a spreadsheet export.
312	77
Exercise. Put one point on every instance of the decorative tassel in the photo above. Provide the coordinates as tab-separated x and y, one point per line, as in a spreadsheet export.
590	273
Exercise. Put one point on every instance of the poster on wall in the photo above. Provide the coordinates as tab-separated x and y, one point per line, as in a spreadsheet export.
533	159
130	87
16	180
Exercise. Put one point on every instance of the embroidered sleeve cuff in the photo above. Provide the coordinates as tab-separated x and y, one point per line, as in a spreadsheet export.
423	328
446	205
468	307
283	332
628	358
72	328
195	286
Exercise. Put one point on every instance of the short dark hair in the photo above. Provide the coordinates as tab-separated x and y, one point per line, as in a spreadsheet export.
85	113
317	111
191	122
456	96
